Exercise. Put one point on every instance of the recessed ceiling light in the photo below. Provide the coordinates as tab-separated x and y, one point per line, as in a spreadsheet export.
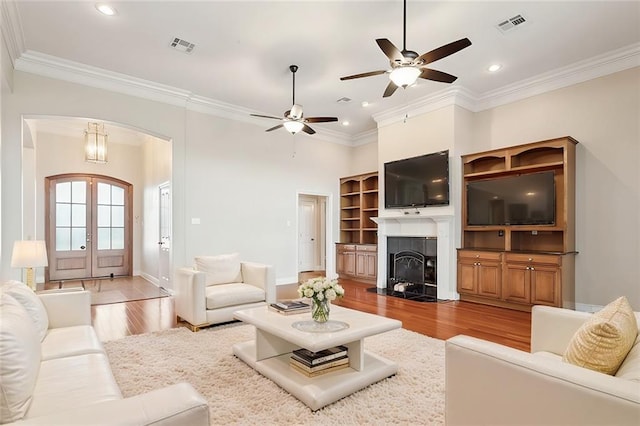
105	9
494	67
345	123
365	104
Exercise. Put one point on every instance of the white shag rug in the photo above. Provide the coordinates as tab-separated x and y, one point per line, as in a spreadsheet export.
238	395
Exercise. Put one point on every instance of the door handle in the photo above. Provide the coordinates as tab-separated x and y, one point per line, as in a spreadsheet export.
160	242
82	247
313	239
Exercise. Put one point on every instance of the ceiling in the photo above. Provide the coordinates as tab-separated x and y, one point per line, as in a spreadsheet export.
243	49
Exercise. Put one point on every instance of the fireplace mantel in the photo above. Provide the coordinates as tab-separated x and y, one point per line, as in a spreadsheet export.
431	222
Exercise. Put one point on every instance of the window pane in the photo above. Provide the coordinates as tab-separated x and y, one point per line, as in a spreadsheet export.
79	192
117	216
117	238
78	238
117	196
104	216
104	238
63	239
63	192
63	214
104	193
78	215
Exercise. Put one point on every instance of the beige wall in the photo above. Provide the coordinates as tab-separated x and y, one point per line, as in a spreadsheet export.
604	116
364	159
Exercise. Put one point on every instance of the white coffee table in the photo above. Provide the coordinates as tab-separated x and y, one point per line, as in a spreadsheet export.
269	353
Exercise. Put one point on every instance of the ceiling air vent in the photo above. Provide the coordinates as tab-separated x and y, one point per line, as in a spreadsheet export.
344	100
511	23
182	45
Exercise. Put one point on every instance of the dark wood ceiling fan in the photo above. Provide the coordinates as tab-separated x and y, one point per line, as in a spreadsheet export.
407	66
293	119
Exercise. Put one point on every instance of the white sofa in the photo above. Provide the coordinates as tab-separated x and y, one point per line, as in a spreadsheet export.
491	384
54	370
217	286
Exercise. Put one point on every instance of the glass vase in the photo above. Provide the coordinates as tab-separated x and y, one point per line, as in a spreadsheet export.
320	310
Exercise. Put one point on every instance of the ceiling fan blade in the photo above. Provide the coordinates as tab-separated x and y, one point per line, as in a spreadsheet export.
266	116
390	50
274	127
320	119
391	88
308	130
444	51
364	74
436	75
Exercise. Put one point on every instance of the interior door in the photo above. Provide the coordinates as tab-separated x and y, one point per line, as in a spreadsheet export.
307	234
88	227
164	243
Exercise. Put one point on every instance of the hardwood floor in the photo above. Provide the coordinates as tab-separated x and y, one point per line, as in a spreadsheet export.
441	320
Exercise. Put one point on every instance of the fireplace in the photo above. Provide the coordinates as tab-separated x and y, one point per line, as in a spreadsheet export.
412	268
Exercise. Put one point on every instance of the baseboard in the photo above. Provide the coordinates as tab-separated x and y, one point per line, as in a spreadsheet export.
585	307
153	280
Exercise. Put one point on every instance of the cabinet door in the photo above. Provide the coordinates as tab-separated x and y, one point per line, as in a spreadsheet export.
516	285
349	263
489	279
545	285
366	265
467	282
340	263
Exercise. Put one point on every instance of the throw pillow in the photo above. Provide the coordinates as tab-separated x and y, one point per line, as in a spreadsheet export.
20	355
222	269
605	339
31	303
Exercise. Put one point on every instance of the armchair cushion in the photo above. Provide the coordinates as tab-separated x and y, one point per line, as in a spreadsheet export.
630	368
31	303
221	269
223	295
19	359
603	341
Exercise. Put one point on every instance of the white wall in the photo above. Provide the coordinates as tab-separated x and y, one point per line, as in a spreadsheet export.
239	180
56	154
364	158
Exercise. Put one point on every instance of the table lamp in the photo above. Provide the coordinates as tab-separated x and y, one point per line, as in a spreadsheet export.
29	254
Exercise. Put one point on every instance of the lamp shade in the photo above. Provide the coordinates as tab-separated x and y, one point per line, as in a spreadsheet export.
405	75
29	254
293	126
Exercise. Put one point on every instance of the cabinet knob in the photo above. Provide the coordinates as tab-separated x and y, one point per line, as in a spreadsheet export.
530	259
532	268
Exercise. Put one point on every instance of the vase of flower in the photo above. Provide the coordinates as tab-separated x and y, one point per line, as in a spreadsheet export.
320	310
321	291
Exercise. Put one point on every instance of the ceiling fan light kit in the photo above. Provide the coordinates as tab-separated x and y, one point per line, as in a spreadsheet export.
294	120
407	66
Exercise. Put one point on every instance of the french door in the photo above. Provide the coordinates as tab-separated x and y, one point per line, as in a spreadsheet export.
88	226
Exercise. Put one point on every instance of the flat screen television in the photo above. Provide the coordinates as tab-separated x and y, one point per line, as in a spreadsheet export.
418	181
527	199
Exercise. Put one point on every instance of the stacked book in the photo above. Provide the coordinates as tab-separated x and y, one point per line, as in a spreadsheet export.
289	307
313	364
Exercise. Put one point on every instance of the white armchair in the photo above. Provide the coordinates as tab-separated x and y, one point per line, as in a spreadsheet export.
217	286
491	384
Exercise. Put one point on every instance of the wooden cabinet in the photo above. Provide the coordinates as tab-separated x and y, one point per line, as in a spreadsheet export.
536	264
357	261
480	273
356	254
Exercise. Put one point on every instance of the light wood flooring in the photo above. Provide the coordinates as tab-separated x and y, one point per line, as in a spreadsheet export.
441	320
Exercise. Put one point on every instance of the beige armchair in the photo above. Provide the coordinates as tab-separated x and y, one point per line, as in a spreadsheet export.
491	384
217	286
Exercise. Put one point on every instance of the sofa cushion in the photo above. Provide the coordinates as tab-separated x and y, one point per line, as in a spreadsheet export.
70	341
630	367
31	303
19	359
223	295
76	381
605	339
220	269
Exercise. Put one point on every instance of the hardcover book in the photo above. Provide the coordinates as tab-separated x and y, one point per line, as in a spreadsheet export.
319	372
287	305
314	358
311	369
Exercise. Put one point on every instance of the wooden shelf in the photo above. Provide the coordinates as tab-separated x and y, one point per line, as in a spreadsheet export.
536	262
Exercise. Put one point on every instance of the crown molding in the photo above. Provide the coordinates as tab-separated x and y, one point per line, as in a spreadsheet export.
598	66
12	33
